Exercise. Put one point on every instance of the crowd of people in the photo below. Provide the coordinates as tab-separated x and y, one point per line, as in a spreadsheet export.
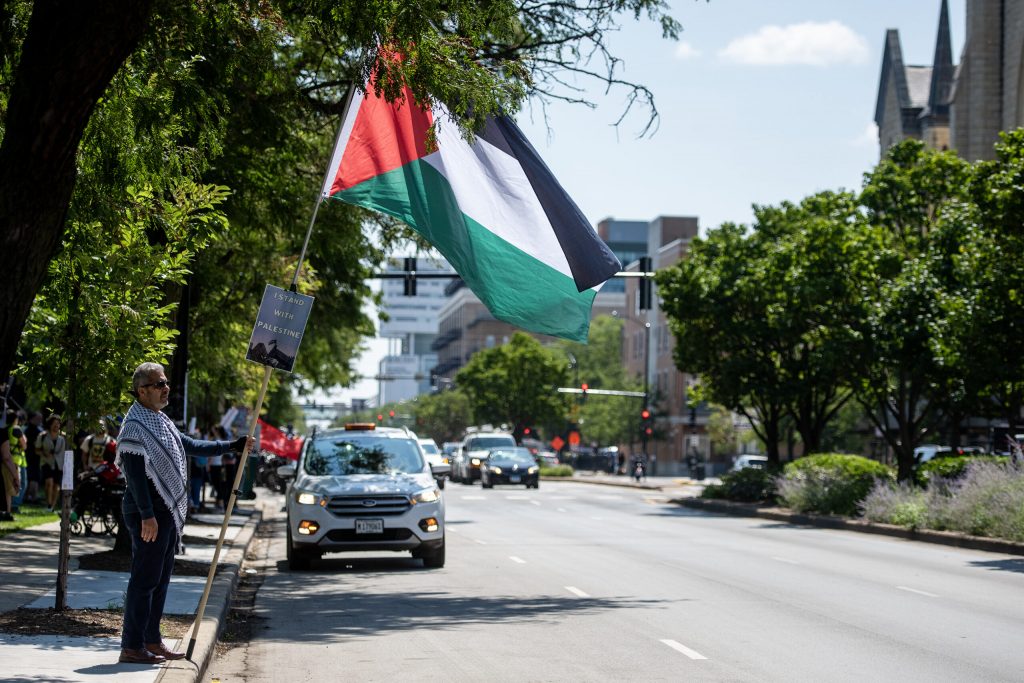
32	463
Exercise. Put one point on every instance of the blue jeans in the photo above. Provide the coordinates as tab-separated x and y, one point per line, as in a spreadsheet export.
152	564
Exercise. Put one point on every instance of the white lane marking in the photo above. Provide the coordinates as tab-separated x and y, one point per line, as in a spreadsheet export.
451	530
535	502
914	590
679	647
472	497
783	559
515	497
480	542
576	591
517	560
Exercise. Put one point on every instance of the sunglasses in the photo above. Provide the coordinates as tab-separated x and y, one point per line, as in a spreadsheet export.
159	385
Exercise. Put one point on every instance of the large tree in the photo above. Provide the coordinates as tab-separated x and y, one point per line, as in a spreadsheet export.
908	195
58	58
515	384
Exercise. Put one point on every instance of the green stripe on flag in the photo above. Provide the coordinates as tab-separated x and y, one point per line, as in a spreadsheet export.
513	285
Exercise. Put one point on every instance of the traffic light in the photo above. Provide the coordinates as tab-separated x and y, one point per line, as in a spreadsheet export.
583	396
380	418
646	422
526	431
391	413
409	281
645	284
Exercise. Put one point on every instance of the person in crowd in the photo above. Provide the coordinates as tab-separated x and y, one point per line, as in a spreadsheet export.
225	478
17	443
94	446
152	454
9	473
50	446
33	428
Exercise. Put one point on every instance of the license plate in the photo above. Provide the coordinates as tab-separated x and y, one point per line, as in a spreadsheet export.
515	478
369	526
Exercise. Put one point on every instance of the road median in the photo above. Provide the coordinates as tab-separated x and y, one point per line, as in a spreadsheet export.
950	538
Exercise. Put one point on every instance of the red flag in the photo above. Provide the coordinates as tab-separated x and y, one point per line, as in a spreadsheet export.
277	442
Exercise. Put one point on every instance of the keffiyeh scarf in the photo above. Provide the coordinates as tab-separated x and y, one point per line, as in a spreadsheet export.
153	436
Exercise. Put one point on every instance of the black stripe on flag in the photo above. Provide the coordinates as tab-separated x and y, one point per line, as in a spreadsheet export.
590	259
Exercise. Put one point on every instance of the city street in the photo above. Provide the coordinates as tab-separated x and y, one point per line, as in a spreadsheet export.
577	582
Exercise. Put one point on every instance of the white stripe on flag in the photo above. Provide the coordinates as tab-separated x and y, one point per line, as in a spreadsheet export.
339	146
492	189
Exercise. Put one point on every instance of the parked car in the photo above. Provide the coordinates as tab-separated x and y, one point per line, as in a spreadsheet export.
926	452
514	466
474	450
546	458
746	460
364	488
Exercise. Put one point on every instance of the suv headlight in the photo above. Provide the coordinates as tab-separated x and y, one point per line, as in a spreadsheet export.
426	496
306	498
495	470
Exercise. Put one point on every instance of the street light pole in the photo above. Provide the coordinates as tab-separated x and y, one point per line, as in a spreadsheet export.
647	373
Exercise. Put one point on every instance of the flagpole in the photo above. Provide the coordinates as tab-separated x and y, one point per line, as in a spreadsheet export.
263	392
239	471
320	192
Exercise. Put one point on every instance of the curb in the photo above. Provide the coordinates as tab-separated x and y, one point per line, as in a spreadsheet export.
949	538
217	607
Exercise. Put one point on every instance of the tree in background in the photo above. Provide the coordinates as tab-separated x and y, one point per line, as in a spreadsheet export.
898	363
443	416
719	304
515	384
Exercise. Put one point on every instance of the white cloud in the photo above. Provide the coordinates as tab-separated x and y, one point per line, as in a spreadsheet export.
868	137
685	50
811	43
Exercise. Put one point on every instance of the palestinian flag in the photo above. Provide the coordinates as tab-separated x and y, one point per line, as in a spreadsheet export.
493	209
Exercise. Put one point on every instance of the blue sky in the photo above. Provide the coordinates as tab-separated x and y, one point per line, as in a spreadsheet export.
760	101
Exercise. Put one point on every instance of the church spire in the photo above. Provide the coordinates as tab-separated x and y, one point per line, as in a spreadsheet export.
942	67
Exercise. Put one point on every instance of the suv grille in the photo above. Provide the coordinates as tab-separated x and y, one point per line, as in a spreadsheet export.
362	506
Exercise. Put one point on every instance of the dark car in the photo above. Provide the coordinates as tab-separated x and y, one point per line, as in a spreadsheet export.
514	466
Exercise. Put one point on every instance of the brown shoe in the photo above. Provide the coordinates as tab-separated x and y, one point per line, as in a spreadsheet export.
162	650
140	656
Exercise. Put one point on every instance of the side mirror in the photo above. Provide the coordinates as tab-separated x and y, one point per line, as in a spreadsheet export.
441	470
286	471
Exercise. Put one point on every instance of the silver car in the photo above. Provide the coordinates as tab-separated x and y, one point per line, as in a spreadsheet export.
364	488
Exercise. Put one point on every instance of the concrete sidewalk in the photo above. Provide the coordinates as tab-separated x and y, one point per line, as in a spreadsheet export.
28	565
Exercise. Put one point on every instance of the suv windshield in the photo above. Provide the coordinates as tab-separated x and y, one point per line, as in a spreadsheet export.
487	442
346	455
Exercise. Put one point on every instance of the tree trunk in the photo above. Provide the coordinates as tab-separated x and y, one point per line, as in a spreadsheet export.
71	51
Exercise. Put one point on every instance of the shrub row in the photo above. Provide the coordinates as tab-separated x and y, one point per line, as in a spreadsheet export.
555	471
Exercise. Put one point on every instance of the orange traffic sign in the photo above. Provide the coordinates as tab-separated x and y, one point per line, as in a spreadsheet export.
557	443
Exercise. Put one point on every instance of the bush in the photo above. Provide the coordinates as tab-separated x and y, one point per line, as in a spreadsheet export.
951	467
830	483
902	504
988	500
749	485
556	471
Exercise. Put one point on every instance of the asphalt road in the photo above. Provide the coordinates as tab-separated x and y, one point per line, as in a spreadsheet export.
577	582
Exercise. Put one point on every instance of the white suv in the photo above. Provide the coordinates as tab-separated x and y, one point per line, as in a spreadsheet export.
364	488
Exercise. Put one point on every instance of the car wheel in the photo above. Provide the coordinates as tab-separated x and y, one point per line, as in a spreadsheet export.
486	485
298	560
434	559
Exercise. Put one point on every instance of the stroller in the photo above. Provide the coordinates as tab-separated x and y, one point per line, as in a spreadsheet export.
96	501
